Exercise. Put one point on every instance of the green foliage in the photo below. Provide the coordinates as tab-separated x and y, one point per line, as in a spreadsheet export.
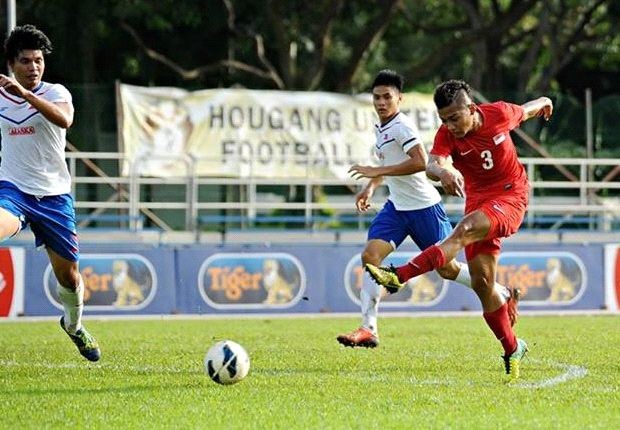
519	45
427	373
501	47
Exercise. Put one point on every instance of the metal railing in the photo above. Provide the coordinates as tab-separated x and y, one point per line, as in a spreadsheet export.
105	197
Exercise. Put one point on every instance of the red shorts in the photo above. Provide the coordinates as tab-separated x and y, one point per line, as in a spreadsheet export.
505	212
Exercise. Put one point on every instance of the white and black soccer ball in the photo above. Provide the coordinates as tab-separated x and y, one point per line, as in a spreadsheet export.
227	362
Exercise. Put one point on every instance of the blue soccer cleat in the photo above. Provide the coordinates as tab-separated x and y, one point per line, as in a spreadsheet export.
86	344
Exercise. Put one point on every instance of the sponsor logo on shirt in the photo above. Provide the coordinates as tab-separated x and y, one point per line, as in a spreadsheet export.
21	131
499	138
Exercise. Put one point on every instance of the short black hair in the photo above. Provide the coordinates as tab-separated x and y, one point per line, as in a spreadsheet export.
447	92
389	78
26	37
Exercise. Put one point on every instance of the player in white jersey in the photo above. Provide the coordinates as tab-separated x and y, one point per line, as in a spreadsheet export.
413	208
34	179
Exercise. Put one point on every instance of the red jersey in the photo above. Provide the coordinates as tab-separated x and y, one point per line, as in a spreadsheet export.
487	158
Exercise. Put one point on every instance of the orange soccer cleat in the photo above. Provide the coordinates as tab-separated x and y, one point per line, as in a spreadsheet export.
361	337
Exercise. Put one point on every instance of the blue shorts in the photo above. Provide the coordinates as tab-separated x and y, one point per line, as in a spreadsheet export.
51	218
425	226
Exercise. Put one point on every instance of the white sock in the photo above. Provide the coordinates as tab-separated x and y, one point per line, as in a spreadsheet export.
464	278
370	297
73	302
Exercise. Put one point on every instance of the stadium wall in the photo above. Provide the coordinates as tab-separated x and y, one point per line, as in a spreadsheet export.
139	279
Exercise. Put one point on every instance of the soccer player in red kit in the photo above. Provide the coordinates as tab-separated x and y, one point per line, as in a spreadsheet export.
495	186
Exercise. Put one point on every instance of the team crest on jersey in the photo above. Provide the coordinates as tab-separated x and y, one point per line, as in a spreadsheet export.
499	138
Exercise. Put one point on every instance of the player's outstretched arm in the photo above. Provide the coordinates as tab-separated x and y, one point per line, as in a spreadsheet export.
542	106
362	200
61	114
451	180
414	164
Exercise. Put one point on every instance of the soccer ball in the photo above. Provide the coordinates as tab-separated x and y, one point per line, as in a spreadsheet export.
227	362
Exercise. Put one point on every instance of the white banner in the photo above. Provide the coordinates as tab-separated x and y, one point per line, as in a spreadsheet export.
240	133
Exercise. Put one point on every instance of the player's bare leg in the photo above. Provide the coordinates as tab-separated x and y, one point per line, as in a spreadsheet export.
9	224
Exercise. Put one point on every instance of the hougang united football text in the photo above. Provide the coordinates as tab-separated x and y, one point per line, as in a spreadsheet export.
318	135
305	119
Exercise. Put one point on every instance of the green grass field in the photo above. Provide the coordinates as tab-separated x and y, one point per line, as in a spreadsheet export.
427	373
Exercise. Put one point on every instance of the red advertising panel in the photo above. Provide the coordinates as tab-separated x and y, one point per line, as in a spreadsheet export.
612	277
617	278
11	281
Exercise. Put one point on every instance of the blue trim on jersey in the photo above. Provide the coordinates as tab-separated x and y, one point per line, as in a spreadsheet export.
19	122
410	140
385	143
17	102
51	218
7	96
388	122
425	226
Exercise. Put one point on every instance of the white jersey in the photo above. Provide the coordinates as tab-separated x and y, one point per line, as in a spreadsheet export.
394	139
33	148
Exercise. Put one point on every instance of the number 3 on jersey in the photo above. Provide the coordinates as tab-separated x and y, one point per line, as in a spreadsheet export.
487	159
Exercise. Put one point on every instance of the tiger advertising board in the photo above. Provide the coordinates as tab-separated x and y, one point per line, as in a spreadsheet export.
251	280
111	282
127	280
425	290
546	278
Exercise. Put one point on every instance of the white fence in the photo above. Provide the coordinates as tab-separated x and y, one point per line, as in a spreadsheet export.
564	193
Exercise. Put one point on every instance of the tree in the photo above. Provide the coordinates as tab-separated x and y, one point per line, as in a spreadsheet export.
286	44
331	45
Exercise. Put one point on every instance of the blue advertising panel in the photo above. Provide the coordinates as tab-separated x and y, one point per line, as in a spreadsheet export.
249	279
423	293
551	277
559	277
127	281
301	278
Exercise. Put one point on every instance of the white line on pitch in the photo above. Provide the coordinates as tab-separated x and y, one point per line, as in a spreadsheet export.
571	371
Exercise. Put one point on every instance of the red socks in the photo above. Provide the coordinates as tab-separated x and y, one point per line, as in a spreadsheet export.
432	258
499	323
